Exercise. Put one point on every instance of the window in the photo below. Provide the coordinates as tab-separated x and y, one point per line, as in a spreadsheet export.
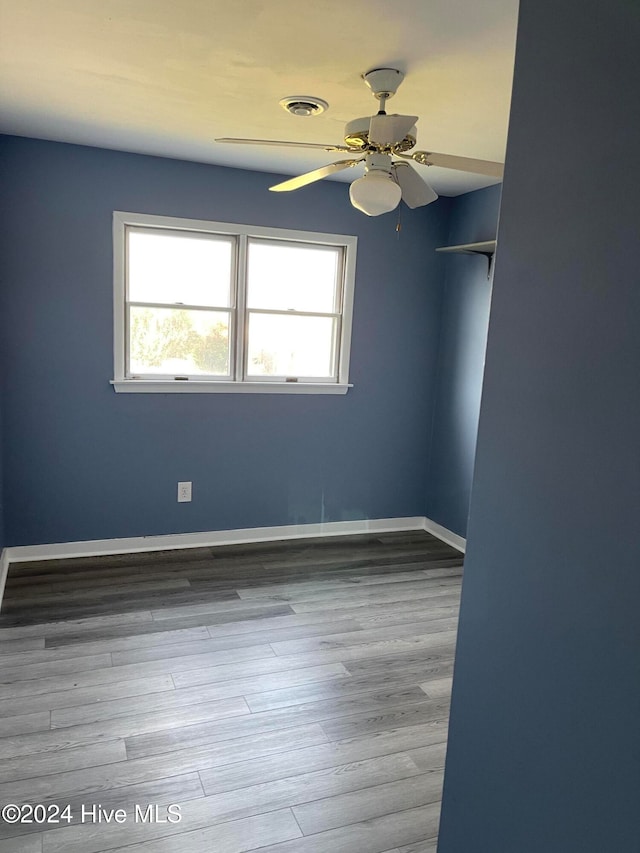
207	306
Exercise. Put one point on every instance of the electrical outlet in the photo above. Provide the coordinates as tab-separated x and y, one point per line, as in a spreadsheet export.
184	492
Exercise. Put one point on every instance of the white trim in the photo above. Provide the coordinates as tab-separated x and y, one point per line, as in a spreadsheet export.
440	532
193	386
207	226
206	538
122	384
4	570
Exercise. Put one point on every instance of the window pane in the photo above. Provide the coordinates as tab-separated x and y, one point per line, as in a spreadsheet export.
178	343
179	269
283	277
290	346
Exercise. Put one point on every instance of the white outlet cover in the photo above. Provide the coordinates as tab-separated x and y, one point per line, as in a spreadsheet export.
184	492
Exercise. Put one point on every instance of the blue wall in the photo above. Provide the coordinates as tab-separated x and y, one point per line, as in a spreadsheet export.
81	462
3	360
2	536
463	334
544	748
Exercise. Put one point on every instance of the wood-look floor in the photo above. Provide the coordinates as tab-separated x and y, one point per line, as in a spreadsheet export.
290	697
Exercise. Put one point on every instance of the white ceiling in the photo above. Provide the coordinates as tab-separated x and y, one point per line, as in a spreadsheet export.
167	77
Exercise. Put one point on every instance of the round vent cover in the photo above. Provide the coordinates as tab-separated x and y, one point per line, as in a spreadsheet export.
304	105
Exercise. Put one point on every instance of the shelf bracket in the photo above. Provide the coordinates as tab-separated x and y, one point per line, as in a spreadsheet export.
489	256
486	249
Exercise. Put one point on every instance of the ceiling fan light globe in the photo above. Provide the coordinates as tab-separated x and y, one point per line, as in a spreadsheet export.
375	193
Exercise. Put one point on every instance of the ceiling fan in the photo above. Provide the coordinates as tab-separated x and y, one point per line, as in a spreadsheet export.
380	139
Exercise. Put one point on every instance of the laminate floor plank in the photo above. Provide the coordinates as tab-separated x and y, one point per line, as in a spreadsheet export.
258	799
447	606
351	638
124	643
45	597
138	725
44	764
194	832
308	787
333	811
367	609
51	581
166	639
210	577
341	581
301	759
379	592
14	612
372	596
427	846
83	696
251	684
178	698
364	705
431	659
159	792
427	758
451	571
24	724
370	836
131	630
27	644
356	651
437	687
284	697
277	635
192	649
114	674
395	616
23	628
215	606
435	713
93	779
28	672
339	556
29	844
71	564
411	648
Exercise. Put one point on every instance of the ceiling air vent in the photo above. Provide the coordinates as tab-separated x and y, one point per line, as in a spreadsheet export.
304	105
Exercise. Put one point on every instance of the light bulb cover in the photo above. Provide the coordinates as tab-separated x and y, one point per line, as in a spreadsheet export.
375	193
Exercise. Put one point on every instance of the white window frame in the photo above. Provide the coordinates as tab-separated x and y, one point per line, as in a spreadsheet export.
237	383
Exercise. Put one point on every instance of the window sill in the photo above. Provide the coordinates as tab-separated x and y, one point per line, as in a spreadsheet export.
163	386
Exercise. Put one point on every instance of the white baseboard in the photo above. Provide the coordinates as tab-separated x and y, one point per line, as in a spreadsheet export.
207	538
135	544
440	532
4	569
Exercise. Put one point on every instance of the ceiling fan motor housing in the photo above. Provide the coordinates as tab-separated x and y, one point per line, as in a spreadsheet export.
356	135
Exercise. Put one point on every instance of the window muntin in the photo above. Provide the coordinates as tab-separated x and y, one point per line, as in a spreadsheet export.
230	305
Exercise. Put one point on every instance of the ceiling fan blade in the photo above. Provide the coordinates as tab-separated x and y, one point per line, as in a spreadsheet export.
234	141
415	192
461	164
386	130
316	175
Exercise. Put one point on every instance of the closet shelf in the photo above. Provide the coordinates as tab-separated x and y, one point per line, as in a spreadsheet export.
487	249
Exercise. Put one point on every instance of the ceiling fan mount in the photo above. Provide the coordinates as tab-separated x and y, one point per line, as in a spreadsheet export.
378	139
383	82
